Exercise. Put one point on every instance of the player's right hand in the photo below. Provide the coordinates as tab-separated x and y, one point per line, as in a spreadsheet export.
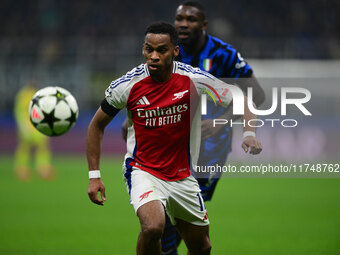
96	185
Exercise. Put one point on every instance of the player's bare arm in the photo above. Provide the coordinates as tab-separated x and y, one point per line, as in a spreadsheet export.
208	128
244	84
124	129
252	82
93	148
250	143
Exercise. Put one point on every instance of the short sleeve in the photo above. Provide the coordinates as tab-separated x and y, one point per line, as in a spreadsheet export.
238	67
117	93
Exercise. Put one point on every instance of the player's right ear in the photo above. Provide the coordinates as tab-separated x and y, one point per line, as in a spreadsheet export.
176	51
205	25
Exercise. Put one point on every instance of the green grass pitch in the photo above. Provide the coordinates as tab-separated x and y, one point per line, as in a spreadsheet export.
248	216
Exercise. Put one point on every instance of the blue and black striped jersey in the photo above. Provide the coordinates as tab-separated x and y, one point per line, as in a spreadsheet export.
223	61
218	58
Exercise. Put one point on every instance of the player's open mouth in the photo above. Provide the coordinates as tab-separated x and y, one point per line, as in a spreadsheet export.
183	35
153	67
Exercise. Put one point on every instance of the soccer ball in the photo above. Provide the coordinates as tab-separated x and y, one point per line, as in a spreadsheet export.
53	111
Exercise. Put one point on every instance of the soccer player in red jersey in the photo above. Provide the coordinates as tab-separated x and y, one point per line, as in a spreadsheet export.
161	100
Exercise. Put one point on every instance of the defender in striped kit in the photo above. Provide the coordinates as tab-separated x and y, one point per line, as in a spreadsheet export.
162	99
222	60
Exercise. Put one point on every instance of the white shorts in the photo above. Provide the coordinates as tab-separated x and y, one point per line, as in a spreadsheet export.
182	199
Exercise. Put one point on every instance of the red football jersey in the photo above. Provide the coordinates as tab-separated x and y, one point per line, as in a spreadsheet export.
161	117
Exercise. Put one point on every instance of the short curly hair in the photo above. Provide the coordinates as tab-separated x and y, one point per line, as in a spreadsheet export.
197	5
162	27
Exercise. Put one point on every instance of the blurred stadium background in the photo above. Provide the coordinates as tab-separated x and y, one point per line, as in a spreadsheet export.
84	45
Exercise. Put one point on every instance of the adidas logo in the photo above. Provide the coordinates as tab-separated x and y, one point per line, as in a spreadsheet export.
143	101
35	115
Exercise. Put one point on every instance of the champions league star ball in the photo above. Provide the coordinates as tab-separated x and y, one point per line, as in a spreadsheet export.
53	111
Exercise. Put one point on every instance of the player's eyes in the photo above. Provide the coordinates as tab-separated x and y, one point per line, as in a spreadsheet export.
178	18
192	19
163	50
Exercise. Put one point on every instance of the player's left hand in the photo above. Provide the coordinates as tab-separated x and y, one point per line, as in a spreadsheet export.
96	185
252	145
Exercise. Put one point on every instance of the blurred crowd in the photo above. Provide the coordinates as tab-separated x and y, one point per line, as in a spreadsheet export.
288	27
81	44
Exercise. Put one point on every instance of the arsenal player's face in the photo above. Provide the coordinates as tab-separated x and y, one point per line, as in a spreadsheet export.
190	23
159	53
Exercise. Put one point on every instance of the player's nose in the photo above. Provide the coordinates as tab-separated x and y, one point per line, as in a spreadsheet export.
154	56
182	23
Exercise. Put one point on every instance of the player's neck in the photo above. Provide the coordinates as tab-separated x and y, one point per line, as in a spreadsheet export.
196	48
